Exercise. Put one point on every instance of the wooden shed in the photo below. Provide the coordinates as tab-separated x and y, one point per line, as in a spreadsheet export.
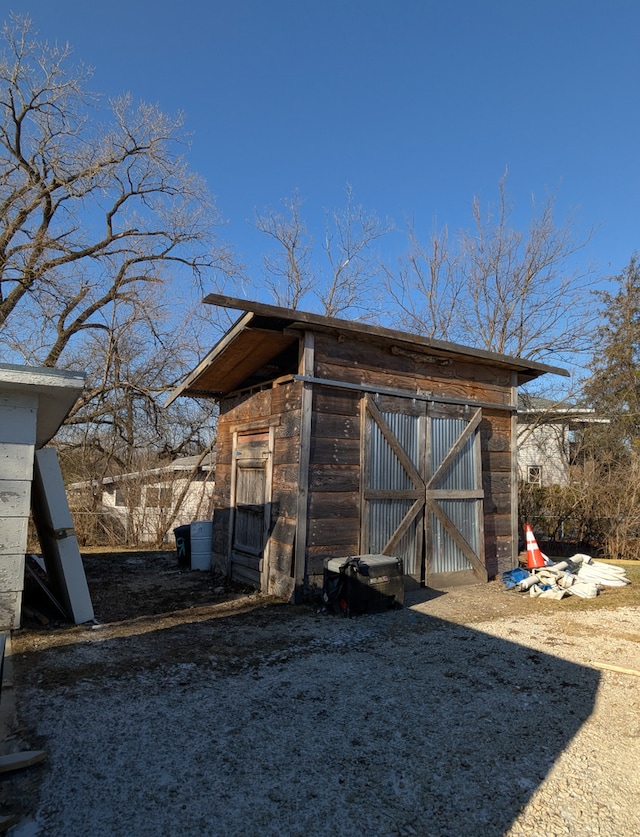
338	438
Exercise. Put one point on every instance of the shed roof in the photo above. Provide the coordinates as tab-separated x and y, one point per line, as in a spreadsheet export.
258	345
57	391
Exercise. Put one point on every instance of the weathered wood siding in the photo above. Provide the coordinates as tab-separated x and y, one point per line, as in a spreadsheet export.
334	485
278	408
286	404
360	362
333	519
346	359
238	412
497	482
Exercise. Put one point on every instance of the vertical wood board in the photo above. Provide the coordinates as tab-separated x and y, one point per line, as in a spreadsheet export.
514	475
307	367
58	541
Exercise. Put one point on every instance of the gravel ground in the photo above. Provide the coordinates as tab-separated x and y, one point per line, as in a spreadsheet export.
260	719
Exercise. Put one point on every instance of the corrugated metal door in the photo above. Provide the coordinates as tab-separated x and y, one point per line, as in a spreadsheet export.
251	490
454	495
422	485
393	480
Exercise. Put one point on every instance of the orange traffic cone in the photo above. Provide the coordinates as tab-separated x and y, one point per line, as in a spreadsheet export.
535	558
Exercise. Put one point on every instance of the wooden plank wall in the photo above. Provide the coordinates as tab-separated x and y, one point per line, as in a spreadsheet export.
342	358
497	482
279	408
286	404
334	473
235	412
334	484
346	359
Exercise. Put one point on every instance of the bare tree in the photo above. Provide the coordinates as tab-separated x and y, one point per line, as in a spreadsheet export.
120	413
288	273
352	264
497	287
426	287
344	286
520	299
91	211
105	236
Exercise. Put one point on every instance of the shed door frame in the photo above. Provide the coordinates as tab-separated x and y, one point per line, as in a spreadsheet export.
415	499
252	452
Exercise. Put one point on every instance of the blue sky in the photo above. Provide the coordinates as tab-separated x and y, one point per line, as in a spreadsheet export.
419	105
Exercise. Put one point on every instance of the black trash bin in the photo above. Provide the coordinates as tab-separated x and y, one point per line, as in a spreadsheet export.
183	544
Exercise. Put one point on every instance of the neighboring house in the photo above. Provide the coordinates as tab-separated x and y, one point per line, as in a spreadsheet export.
339	438
549	435
145	506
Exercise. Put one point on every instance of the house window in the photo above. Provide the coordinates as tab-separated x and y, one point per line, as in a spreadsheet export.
534	474
158	497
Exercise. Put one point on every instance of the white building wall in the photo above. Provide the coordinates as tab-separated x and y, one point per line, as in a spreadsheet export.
544	447
18	421
149	520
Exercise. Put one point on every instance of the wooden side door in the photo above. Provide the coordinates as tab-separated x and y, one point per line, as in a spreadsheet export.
250	510
422	486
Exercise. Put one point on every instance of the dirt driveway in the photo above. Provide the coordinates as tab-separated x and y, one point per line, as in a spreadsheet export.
196	709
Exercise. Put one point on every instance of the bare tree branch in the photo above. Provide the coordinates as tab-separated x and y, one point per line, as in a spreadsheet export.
496	287
345	285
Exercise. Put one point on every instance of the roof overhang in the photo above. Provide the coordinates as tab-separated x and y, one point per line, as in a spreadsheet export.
247	347
56	390
265	331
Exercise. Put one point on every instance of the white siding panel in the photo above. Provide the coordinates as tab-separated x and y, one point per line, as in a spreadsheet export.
15	496
16	461
18	419
11	572
13	536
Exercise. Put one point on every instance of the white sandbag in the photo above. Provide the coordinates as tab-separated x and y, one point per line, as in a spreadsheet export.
527	583
612	569
545	577
580	558
584	589
560	567
601	574
567	580
554	593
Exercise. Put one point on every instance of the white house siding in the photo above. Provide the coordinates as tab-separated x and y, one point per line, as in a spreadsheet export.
545	447
18	417
148	519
